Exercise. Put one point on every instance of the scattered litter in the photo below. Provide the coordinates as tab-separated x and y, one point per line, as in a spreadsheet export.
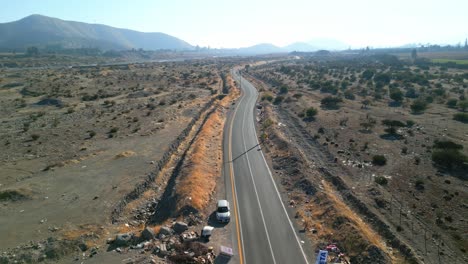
190	236
226	251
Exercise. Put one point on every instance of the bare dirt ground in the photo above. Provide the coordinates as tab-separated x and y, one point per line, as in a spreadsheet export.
76	141
422	204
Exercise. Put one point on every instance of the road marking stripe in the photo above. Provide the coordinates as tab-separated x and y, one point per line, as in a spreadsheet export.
240	244
277	192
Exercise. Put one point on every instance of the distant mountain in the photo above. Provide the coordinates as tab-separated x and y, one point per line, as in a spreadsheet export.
328	44
317	44
263	48
300	46
43	31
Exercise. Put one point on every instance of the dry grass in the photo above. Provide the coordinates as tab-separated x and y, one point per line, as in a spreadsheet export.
90	233
203	164
336	222
344	210
202	167
125	228
156	229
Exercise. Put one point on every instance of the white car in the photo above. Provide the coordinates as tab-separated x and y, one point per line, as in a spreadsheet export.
223	213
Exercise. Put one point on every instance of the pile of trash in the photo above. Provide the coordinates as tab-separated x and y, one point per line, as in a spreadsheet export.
175	243
331	254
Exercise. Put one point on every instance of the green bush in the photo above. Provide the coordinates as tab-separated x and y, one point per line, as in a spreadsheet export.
411	93
381	180
284	89
392	123
396	95
463	105
278	100
392	126
452	103
88	97
449	158
267	97
418	106
419	184
368	74
461	117
349	95
331	102
410	123
12	85
447	144
311	112
379	160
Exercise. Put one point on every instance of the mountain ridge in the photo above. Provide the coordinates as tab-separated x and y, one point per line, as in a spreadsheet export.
44	31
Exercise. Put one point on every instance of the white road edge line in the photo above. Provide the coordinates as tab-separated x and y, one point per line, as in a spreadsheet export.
235	189
255	189
277	192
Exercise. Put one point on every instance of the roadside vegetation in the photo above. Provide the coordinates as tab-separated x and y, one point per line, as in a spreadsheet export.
395	127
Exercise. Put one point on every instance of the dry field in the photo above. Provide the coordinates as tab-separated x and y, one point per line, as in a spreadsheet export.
387	136
75	141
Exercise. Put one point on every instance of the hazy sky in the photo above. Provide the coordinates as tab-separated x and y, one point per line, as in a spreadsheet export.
239	23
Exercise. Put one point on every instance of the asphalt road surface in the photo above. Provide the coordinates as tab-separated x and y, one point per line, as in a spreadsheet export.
262	230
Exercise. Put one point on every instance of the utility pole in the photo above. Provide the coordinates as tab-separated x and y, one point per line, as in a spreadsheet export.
240	79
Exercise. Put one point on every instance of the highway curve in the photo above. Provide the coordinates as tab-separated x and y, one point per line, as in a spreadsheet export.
262	230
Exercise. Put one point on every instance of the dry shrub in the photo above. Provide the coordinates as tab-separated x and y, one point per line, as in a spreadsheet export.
156	229
125	154
82	231
125	228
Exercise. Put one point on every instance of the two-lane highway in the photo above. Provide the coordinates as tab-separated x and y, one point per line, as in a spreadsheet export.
263	231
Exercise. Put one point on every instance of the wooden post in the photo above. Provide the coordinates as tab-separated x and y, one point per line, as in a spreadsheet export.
391	197
438	250
400	214
425	243
412	225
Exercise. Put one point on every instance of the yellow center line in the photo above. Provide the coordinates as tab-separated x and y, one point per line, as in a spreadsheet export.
234	194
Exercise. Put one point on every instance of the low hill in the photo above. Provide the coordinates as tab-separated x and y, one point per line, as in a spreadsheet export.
263	48
48	32
300	46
